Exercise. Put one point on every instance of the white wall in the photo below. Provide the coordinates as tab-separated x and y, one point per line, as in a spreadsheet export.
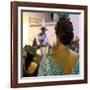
5	47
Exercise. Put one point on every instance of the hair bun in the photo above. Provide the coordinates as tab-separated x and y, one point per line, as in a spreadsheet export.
67	24
64	30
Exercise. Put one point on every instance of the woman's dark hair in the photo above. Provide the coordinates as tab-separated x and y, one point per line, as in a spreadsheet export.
64	31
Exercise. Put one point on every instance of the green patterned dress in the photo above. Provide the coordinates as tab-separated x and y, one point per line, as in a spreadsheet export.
48	67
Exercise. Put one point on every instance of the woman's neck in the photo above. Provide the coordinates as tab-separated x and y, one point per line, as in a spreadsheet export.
60	45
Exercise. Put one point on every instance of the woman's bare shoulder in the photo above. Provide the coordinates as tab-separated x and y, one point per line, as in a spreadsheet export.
73	54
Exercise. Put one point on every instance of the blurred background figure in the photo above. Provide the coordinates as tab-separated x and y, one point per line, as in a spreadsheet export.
43	41
75	45
30	67
34	43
